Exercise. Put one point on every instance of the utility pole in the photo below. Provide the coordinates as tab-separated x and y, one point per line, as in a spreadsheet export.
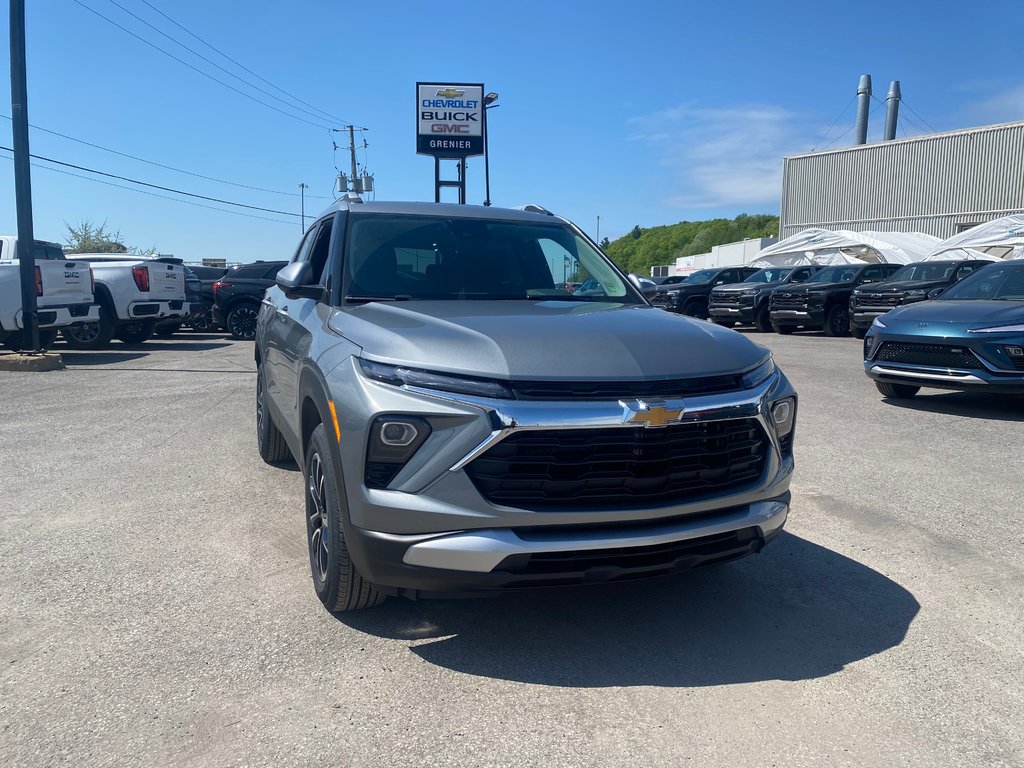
598	238
25	251
354	180
302	208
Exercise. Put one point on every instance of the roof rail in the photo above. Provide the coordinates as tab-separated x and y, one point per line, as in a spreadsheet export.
534	208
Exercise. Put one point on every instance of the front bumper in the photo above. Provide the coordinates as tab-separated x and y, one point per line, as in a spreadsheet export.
742	314
426	530
63	315
810	316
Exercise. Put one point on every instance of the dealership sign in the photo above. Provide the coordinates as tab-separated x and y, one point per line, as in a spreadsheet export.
449	119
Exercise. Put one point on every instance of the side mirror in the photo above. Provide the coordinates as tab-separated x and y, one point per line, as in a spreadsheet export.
647	287
296	280
934	293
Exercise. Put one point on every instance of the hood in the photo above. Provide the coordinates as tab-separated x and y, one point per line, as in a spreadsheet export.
902	285
741	287
955	314
545	340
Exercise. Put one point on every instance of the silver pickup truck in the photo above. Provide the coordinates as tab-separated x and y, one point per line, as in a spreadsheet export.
133	292
64	292
464	424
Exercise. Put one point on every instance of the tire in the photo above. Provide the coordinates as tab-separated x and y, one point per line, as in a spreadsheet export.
269	440
92	335
785	330
837	321
241	321
136	331
165	331
696	309
336	581
762	321
897	391
203	322
13	341
859	333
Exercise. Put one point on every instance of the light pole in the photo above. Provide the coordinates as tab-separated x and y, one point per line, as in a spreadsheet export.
598	238
489	100
302	204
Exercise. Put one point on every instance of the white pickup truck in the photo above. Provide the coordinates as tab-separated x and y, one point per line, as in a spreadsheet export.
64	292
133	292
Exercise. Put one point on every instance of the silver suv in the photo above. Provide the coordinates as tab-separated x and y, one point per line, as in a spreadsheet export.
465	424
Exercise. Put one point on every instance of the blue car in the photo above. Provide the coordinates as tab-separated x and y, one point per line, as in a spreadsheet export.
971	338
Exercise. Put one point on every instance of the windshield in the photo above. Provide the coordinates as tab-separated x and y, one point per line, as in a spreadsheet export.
770	275
703	277
999	282
845	274
406	257
936	270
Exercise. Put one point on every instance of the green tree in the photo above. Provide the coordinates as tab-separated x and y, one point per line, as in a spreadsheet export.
605	242
88	237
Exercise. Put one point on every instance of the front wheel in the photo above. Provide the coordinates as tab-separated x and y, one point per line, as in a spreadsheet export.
897	391
696	309
837	321
338	584
241	322
762	321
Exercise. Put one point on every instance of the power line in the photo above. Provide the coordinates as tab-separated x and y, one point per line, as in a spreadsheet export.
242	66
925	122
213	63
196	69
156	186
161	165
153	194
838	117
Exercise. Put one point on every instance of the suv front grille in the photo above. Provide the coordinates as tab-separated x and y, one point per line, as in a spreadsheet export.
788	300
937	355
620	467
616	390
882	300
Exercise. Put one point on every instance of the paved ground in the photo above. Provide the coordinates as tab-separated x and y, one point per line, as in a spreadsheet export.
156	606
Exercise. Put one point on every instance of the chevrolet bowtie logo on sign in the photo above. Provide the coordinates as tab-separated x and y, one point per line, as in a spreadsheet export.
653	414
449	93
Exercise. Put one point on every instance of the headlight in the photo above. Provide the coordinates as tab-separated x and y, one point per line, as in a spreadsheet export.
999	329
878	322
759	374
747	294
916	293
412	377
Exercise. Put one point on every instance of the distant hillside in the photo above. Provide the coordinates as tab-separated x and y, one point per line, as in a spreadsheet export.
642	249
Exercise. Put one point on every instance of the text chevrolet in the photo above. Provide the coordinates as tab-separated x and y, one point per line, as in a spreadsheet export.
463	425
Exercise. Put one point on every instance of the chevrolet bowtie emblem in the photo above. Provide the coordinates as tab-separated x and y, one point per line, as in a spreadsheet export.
449	93
649	413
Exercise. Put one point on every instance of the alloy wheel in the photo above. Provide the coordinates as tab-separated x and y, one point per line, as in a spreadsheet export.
319	534
242	322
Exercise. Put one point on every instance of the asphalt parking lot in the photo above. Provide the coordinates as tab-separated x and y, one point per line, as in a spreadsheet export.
156	606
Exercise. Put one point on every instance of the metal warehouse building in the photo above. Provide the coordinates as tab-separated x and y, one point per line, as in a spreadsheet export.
940	184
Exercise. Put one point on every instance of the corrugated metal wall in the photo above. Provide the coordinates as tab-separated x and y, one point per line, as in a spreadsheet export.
927	184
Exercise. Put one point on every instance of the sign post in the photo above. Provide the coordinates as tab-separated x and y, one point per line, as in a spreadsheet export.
450	126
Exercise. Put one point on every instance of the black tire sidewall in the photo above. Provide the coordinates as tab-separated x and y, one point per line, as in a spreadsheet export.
228	321
327	590
833	314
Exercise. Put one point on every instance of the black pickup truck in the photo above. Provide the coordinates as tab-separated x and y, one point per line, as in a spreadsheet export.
747	302
823	300
691	298
910	284
238	293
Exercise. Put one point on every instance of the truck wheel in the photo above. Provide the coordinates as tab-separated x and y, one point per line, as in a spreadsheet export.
241	321
203	322
785	330
269	440
762	322
166	331
696	309
338	584
136	331
837	321
859	333
13	341
897	391
91	335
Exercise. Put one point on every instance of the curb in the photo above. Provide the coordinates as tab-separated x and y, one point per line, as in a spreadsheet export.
22	361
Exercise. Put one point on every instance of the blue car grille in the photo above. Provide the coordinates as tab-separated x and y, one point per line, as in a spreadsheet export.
621	468
935	355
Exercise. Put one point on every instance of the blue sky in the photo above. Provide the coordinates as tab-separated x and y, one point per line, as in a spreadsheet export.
644	113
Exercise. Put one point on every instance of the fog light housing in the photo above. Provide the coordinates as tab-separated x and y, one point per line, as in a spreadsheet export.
783	417
393	441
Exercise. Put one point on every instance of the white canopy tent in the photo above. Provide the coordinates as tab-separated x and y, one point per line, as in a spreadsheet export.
994	240
824	246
